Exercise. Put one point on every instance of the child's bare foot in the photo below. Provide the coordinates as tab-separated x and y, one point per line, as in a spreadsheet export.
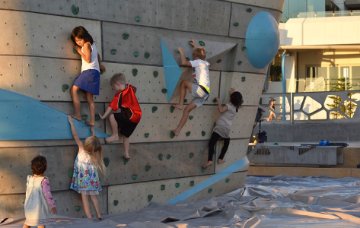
220	161
205	166
178	106
90	124
76	117
126	156
176	132
112	138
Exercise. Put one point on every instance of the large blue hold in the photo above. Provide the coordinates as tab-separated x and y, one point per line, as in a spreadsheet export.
262	39
24	118
172	71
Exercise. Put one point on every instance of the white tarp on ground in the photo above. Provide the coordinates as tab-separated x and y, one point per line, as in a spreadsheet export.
264	202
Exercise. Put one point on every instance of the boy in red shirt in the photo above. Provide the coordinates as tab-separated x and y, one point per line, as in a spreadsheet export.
124	111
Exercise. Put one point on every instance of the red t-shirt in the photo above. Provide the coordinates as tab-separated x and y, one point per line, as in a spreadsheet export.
127	99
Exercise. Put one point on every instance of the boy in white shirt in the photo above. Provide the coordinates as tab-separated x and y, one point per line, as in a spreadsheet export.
200	88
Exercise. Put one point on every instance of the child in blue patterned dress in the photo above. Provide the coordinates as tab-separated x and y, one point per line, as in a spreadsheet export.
88	162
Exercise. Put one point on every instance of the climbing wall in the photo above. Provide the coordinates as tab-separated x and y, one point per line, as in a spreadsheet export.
37	60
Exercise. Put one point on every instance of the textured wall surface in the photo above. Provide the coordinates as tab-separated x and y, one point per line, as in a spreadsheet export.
37	60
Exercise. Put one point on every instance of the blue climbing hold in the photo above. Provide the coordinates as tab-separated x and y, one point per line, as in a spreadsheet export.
262	39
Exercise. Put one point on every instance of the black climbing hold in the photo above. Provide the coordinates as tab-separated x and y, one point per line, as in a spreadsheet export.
185	100
177	185
155	73
149	197
172	134
210	190
65	87
77	208
191	155
116	202
201	43
191	117
162	187
134	72
172	108
113	51
75	9
168	156
243	79
236	24
136	54
106	161
160	157
192	183
203	133
84	117
134	177
227	180
147	167
146	55
188	133
137	18
214	100
239	62
146	135
249	10
125	36
218	61
164	90
243	48
154	109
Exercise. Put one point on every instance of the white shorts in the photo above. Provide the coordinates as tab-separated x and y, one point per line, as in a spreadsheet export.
199	95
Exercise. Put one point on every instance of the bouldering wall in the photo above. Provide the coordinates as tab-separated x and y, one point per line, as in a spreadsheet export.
37	60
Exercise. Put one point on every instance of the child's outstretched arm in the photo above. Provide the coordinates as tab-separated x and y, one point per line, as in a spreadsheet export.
222	108
183	61
106	113
74	133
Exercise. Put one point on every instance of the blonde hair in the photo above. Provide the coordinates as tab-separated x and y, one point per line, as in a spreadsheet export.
118	78
93	147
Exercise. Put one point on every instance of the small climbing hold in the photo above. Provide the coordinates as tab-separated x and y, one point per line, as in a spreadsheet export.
172	134
84	117
134	72
201	43
106	161
70	173
146	135
147	167
116	202
191	155
188	133
136	54
243	79
203	133
177	185
77	208
138	19
218	61
168	156
214	100
134	177
164	90
154	109
125	161
97	117
75	9
243	48
236	24
227	180
65	87
249	10
155	73
113	51
149	197
239	62
146	55
185	100
210	190
172	108
160	157
125	36
192	183
191	117
162	187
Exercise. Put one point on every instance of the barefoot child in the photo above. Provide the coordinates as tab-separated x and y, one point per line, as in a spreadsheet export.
223	125
89	79
39	202
88	164
124	112
200	88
